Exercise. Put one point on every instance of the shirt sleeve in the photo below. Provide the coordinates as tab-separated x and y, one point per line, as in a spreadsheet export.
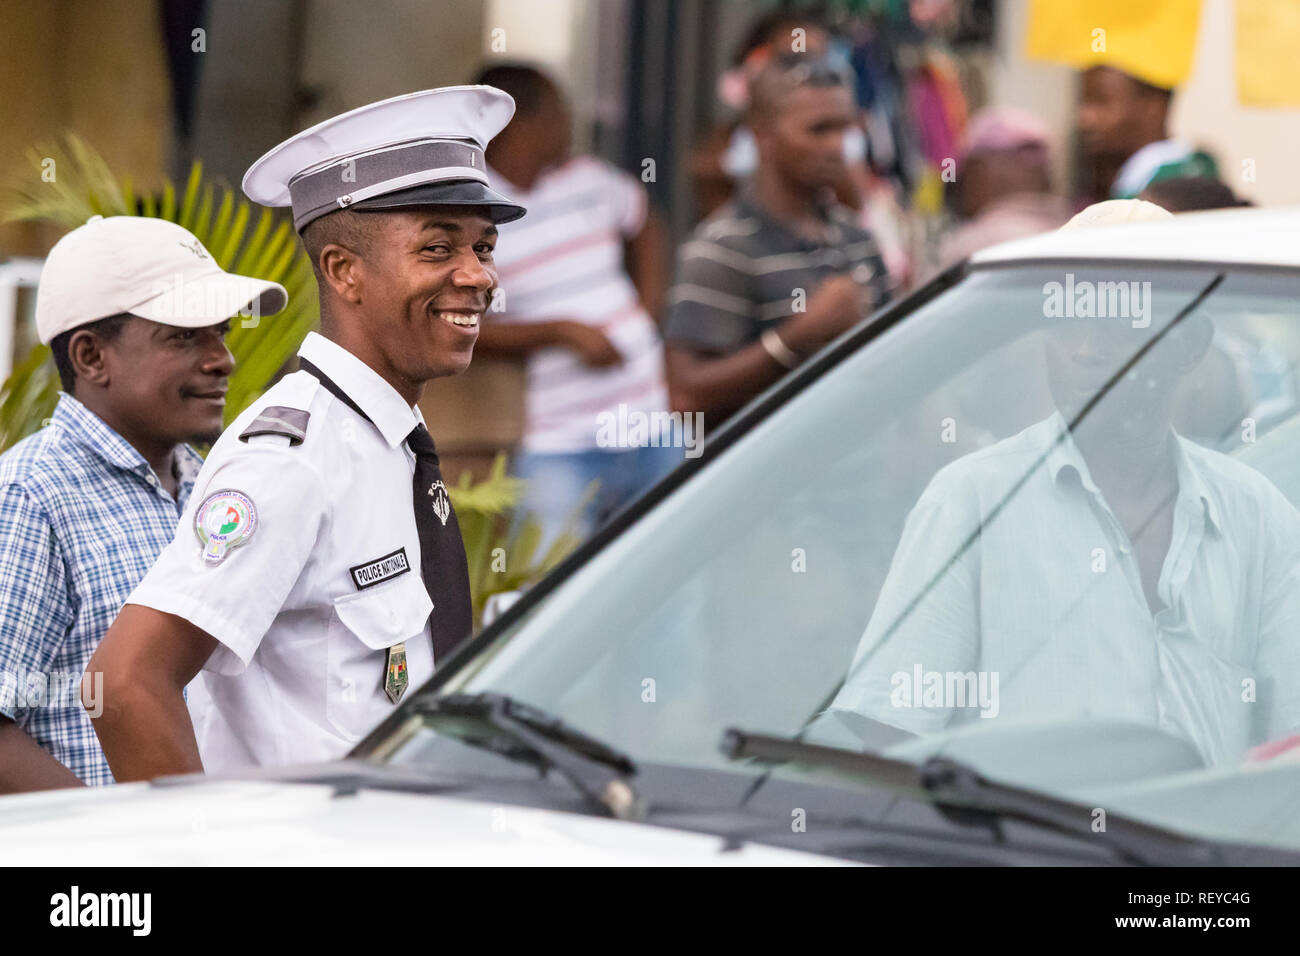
927	615
710	307
237	599
630	203
36	612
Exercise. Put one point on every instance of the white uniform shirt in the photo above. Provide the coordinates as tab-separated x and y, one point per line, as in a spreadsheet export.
299	672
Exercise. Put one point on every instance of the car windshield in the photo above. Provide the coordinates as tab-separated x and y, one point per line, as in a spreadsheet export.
1045	523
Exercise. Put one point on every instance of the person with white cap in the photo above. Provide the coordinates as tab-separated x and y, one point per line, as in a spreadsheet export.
1097	565
319	570
135	311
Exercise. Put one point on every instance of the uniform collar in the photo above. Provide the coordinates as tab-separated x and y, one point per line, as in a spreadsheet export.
1192	489
98	437
379	400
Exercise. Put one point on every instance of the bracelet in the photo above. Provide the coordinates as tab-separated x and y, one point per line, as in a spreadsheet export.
779	351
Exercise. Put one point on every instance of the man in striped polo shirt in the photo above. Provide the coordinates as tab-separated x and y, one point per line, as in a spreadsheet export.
580	277
781	270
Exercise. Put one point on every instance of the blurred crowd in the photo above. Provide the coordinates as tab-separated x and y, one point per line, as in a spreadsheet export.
847	169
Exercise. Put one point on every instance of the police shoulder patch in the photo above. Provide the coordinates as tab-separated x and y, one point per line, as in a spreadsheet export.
225	520
279	420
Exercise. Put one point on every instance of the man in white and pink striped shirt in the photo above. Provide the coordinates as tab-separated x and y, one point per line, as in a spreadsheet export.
580	279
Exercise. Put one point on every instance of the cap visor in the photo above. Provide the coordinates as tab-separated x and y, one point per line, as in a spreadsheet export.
461	192
195	303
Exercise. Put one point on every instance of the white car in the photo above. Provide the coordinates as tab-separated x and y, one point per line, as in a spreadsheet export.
1001	576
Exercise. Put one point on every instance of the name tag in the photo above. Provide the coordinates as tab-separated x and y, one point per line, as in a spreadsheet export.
380	569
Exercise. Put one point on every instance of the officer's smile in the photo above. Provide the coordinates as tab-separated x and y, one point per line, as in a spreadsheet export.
462	319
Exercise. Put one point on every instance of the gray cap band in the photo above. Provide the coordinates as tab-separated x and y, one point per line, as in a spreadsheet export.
401	166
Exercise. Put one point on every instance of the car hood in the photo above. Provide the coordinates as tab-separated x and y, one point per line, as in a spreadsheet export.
251	822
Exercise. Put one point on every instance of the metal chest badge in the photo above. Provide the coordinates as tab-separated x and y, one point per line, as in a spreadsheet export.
225	520
396	678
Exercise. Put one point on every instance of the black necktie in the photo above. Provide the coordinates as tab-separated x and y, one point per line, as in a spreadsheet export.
442	550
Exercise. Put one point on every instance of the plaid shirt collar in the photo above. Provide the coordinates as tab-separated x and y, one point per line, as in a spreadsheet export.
91	431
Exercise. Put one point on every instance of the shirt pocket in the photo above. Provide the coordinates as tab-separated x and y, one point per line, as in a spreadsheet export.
1209	697
364	625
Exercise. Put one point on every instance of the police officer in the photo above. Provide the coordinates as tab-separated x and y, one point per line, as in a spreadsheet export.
318	570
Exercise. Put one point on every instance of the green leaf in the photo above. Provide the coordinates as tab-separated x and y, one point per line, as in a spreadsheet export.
189	203
258	250
221	228
28	397
225	254
128	194
168	209
203	221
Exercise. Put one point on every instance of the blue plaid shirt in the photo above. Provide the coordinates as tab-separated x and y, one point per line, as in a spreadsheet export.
82	518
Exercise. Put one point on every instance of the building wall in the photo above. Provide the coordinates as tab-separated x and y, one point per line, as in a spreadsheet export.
278	66
1044	89
248	90
95	68
1205	110
356	53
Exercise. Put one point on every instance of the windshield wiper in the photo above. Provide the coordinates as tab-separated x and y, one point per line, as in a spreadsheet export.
522	732
966	797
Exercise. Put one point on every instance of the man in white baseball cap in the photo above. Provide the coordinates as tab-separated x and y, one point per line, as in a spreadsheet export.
320	571
135	311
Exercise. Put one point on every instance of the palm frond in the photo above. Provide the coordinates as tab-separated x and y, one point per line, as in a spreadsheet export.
69	182
28	397
500	546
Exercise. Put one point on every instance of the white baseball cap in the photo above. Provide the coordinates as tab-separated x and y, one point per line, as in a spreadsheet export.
151	268
1111	212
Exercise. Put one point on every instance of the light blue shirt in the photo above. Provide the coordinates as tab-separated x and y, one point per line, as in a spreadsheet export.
1046	601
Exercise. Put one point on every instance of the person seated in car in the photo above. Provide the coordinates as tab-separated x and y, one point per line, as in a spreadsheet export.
1110	570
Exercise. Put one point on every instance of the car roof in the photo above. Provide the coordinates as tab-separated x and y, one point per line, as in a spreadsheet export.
1263	237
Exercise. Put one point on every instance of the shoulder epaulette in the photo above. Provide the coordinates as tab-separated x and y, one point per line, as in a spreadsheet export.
279	420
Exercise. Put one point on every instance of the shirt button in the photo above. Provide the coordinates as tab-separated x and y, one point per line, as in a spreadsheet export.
862	273
152	480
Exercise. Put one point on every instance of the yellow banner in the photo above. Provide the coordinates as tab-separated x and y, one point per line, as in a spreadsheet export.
1151	39
1268	44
